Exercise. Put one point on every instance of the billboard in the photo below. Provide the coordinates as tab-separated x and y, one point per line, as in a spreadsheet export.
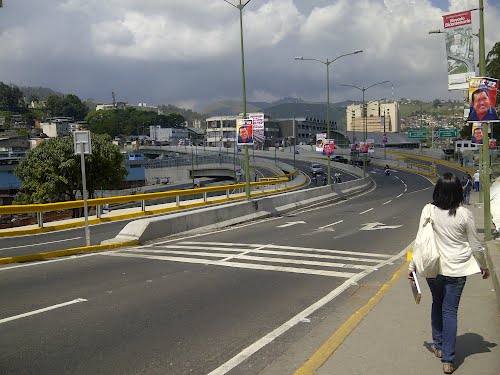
244	132
329	147
459	49
258	126
482	98
320	141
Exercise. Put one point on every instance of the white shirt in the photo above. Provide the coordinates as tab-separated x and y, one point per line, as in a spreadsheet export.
456	237
476	177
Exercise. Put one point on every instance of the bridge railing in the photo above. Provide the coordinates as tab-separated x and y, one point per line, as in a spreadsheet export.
145	199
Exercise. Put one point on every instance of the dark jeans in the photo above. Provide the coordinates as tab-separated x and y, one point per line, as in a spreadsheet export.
446	292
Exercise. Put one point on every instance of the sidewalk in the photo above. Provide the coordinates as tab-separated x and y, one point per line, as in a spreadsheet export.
395	337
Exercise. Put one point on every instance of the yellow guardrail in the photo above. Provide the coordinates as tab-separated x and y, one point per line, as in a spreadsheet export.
430	168
39	209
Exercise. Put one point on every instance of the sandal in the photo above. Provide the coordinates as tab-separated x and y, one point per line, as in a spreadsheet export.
436	351
448	368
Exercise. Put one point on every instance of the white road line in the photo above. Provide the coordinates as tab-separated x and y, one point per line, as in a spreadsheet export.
329	225
40	243
271	336
267	259
49	261
387	202
260	251
78	300
364	212
241	265
293	248
241	254
399	195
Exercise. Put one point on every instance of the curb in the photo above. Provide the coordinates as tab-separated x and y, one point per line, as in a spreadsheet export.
67	252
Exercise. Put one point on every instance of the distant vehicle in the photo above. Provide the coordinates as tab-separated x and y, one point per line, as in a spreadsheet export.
316	169
339	159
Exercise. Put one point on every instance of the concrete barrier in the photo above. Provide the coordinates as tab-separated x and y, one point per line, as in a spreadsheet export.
211	218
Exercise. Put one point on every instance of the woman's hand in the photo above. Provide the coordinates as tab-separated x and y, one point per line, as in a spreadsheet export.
485	272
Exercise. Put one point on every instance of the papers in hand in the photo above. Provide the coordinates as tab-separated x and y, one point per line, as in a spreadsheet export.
415	288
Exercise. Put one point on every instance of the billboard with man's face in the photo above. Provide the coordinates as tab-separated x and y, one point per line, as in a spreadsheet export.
244	132
482	98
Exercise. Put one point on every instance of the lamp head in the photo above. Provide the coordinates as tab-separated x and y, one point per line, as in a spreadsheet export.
358	51
435	31
298	58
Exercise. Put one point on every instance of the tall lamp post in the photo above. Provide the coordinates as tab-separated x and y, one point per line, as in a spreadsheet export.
240	7
327	62
363	113
485	164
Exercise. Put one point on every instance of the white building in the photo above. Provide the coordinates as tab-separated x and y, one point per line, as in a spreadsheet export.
170	135
57	126
381	117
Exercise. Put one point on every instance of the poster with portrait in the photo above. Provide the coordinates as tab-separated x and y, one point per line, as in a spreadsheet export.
477	133
329	147
482	99
320	141
459	49
364	147
244	132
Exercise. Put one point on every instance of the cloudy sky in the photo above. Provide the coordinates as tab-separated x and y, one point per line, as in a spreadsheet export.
187	52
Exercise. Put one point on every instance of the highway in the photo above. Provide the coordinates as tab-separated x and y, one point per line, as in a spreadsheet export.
231	301
71	238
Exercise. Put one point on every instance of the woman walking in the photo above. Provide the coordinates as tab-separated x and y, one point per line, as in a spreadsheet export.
461	255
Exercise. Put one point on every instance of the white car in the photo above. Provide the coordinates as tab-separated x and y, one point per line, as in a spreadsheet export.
316	169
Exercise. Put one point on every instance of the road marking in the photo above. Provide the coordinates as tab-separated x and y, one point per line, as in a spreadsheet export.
377	226
73	257
239	265
271	336
166	250
364	212
290	223
329	225
399	195
40	243
387	202
78	300
229	244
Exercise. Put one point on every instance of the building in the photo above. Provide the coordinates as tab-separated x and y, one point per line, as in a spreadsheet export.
306	129
381	117
57	127
170	135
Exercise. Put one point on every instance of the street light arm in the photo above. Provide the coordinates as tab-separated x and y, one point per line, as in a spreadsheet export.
356	87
347	54
230	3
242	6
308	59
436	31
378	83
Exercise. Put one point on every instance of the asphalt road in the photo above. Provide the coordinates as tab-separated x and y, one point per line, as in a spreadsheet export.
231	301
71	238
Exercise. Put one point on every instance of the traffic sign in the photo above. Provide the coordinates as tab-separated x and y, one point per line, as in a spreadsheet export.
420	134
448	133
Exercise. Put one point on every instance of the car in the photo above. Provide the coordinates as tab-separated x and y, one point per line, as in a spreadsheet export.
339	159
316	169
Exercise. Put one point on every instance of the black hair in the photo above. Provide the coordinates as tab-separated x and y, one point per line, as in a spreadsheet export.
448	193
477	91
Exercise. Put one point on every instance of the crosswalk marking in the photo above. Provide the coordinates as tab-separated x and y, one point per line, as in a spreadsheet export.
323	262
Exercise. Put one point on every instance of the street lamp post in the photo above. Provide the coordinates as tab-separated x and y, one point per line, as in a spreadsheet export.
484	163
240	7
363	114
327	62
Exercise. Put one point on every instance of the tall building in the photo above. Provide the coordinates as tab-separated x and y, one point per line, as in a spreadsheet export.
381	117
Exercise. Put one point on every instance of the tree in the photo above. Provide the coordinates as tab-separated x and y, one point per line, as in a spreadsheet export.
436	103
67	106
493	64
11	98
51	172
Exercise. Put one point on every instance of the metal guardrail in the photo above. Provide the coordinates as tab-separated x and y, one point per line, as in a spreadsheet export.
430	168
99	203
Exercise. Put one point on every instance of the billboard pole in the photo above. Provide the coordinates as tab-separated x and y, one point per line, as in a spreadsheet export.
486	142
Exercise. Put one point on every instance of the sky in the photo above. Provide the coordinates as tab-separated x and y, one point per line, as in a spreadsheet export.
187	52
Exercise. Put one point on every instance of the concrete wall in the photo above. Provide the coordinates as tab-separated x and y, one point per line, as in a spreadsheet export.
221	216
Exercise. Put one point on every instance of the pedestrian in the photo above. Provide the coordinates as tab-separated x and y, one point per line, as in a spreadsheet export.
467	186
466	162
461	255
461	160
476	180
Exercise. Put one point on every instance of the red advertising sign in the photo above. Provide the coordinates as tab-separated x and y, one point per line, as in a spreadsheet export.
457	19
